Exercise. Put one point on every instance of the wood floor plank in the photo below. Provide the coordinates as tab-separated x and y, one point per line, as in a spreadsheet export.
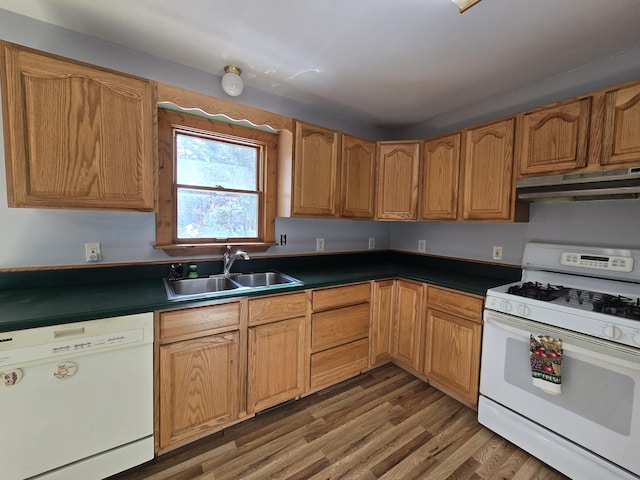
384	424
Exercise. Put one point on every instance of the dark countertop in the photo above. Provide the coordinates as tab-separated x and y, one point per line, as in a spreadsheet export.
82	295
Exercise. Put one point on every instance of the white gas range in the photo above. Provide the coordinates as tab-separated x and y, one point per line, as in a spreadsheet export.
589	298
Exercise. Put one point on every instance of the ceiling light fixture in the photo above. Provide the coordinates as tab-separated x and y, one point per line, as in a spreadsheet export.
232	84
464	5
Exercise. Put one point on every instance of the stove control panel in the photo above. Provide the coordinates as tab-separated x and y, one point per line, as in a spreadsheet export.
619	330
616	263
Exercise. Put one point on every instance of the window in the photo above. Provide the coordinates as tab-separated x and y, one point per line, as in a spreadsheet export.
216	185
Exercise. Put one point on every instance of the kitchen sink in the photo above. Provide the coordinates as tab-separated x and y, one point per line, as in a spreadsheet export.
196	287
264	279
216	285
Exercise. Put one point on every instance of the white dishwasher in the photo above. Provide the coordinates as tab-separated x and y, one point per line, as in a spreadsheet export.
76	399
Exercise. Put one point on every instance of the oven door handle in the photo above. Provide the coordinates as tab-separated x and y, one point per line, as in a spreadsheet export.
596	348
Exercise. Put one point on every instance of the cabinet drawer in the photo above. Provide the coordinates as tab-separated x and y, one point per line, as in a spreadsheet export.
277	307
340	296
339	363
335	327
209	319
463	304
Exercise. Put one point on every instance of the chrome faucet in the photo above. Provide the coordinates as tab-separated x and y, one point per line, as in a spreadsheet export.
228	258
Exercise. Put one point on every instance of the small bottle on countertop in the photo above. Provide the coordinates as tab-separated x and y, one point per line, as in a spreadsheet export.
193	271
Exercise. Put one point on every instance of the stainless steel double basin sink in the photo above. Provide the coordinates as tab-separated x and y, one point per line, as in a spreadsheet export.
216	285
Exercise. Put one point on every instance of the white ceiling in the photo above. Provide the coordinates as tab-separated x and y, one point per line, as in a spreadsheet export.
386	63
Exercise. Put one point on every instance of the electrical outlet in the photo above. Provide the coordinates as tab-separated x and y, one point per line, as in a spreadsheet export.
372	243
497	253
319	244
92	252
422	246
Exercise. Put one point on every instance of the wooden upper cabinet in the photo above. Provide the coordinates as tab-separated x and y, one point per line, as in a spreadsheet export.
488	172
555	139
358	169
621	133
398	180
76	136
440	173
315	171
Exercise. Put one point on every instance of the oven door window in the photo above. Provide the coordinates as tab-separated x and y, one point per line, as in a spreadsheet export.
588	389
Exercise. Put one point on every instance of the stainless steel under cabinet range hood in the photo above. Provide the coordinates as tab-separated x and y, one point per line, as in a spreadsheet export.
621	183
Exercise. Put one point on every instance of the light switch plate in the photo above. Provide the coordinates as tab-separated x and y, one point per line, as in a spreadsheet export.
319	244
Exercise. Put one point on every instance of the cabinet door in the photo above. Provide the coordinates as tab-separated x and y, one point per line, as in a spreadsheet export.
315	171
452	355
199	386
555	139
621	135
440	169
382	321
406	331
77	136
276	363
488	172
358	168
398	181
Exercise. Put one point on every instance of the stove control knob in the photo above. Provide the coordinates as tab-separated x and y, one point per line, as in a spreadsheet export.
523	310
506	306
612	332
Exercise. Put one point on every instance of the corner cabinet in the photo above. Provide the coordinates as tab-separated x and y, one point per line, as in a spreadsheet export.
278	358
382	314
200	372
554	139
407	322
398	180
76	135
452	339
488	175
358	173
440	177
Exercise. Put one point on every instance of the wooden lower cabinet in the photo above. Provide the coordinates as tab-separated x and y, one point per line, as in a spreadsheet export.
199	386
452	355
452	339
382	312
340	325
338	363
278	349
276	363
200	371
406	324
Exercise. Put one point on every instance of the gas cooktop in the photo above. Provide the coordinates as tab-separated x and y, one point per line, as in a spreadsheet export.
616	305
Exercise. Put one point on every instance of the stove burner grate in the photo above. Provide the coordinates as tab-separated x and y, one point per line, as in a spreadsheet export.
537	291
618	306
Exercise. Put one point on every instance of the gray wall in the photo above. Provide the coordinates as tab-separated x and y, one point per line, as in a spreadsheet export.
39	237
605	222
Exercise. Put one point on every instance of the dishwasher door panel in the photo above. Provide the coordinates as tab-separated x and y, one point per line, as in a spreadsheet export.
49	422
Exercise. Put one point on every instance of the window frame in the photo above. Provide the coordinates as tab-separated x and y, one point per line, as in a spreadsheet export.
169	123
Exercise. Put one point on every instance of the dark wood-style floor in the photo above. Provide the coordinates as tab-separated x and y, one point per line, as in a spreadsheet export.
385	424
